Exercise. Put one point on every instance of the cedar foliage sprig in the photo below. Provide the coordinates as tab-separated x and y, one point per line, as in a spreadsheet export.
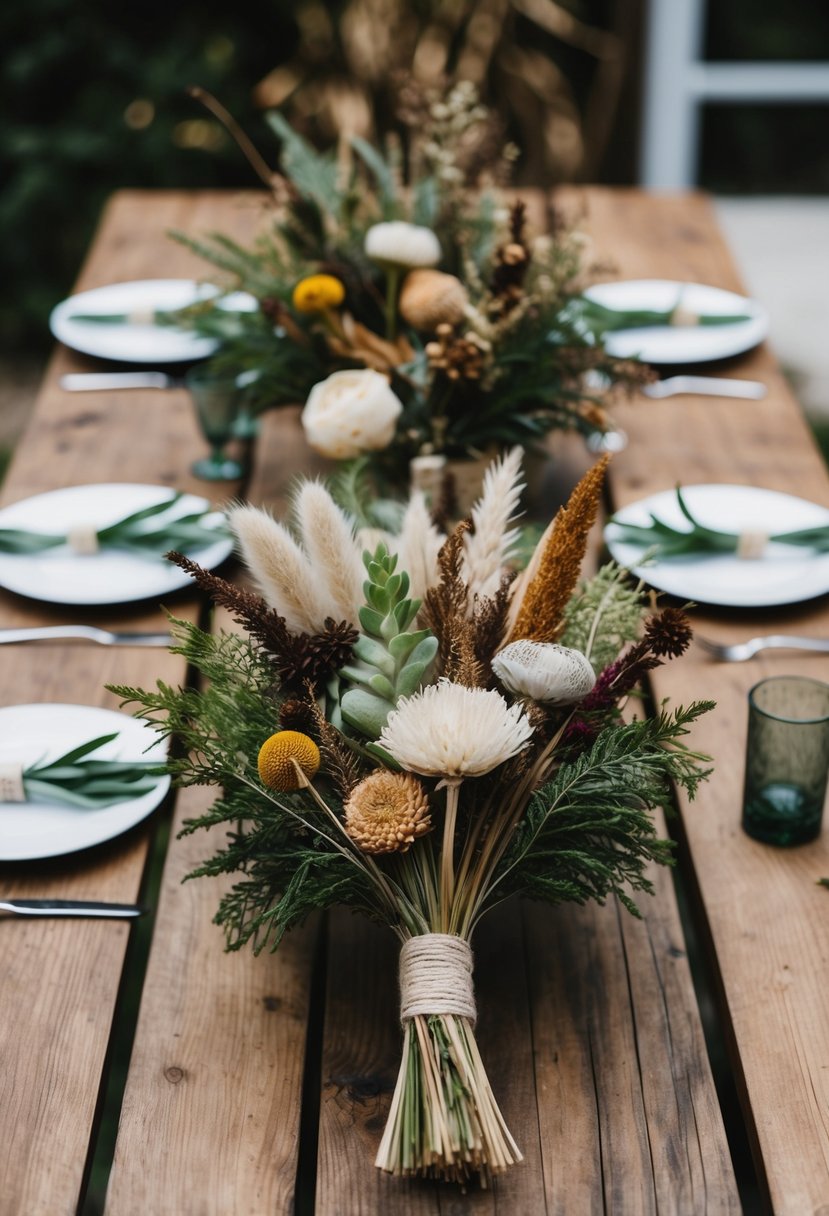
289	863
604	615
589	832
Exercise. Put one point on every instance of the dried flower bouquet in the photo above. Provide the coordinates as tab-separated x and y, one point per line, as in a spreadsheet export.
405	300
410	728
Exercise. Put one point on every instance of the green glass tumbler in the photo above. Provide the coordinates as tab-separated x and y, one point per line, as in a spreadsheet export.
217	400
787	759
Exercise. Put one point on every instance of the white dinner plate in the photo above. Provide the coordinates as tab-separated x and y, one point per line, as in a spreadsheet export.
785	574
28	733
60	576
141	343
676	343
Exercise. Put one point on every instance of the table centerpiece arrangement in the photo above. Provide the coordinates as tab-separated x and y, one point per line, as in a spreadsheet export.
403	298
408	727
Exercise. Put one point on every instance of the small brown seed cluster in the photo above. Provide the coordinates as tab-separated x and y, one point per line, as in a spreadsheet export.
458	357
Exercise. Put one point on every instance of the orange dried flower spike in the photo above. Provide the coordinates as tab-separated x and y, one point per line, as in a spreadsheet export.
551	577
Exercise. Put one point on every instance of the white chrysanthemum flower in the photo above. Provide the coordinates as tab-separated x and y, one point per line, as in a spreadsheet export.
350	412
402	244
544	671
448	730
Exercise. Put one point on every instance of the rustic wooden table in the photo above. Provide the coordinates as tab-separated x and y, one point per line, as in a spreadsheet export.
260	1085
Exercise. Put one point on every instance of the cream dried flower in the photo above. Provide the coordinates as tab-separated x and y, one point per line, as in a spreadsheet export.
386	812
544	671
350	412
398	243
448	730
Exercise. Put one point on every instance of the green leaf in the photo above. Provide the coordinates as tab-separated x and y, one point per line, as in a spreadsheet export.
381	172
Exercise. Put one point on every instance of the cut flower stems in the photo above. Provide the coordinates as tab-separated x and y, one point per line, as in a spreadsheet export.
378	759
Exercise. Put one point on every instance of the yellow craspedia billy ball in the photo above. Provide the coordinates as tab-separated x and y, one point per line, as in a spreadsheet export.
318	292
278	754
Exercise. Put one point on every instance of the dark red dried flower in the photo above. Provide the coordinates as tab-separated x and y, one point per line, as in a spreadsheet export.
668	633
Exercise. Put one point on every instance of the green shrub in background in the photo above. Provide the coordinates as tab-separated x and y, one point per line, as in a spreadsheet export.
92	97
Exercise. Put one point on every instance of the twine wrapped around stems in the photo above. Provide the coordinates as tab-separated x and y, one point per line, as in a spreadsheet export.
436	977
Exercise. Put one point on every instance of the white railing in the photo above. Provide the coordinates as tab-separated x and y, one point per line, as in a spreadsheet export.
678	83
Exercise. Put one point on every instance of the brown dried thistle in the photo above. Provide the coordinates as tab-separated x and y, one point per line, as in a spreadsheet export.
546	586
445	605
490	620
340	763
512	260
298	658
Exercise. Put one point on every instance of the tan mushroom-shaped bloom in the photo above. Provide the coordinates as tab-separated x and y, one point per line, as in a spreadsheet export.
544	671
386	812
430	298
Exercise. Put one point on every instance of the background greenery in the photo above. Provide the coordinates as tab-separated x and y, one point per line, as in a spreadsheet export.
92	97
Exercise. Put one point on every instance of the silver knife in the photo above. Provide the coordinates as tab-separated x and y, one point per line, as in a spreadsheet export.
708	386
84	382
69	907
85	633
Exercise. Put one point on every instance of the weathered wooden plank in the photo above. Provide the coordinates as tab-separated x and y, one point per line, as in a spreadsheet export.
210	1120
60	979
629	1116
361	1057
767	919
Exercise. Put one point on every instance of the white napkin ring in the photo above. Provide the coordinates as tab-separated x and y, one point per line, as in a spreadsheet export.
83	540
11	783
683	317
751	545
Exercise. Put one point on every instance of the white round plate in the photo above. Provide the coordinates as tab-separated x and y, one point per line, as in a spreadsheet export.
785	574
60	576
675	343
33	830
140	343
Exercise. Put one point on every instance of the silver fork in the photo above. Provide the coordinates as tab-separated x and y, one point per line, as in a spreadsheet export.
738	652
707	386
86	633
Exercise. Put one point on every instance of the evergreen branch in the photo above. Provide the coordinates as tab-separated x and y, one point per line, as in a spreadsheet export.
588	832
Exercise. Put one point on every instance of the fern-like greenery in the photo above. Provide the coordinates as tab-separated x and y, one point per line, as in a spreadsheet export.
289	867
589	832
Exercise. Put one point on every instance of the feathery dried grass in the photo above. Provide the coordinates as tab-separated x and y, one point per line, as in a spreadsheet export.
281	570
418	546
540	598
491	544
328	541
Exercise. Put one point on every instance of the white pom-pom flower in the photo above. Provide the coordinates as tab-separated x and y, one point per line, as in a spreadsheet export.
397	243
448	730
544	671
350	412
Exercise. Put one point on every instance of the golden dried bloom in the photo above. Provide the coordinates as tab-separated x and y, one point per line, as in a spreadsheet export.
318	292
279	755
386	812
430	298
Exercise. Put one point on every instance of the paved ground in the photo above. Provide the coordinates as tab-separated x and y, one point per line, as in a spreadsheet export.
781	245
